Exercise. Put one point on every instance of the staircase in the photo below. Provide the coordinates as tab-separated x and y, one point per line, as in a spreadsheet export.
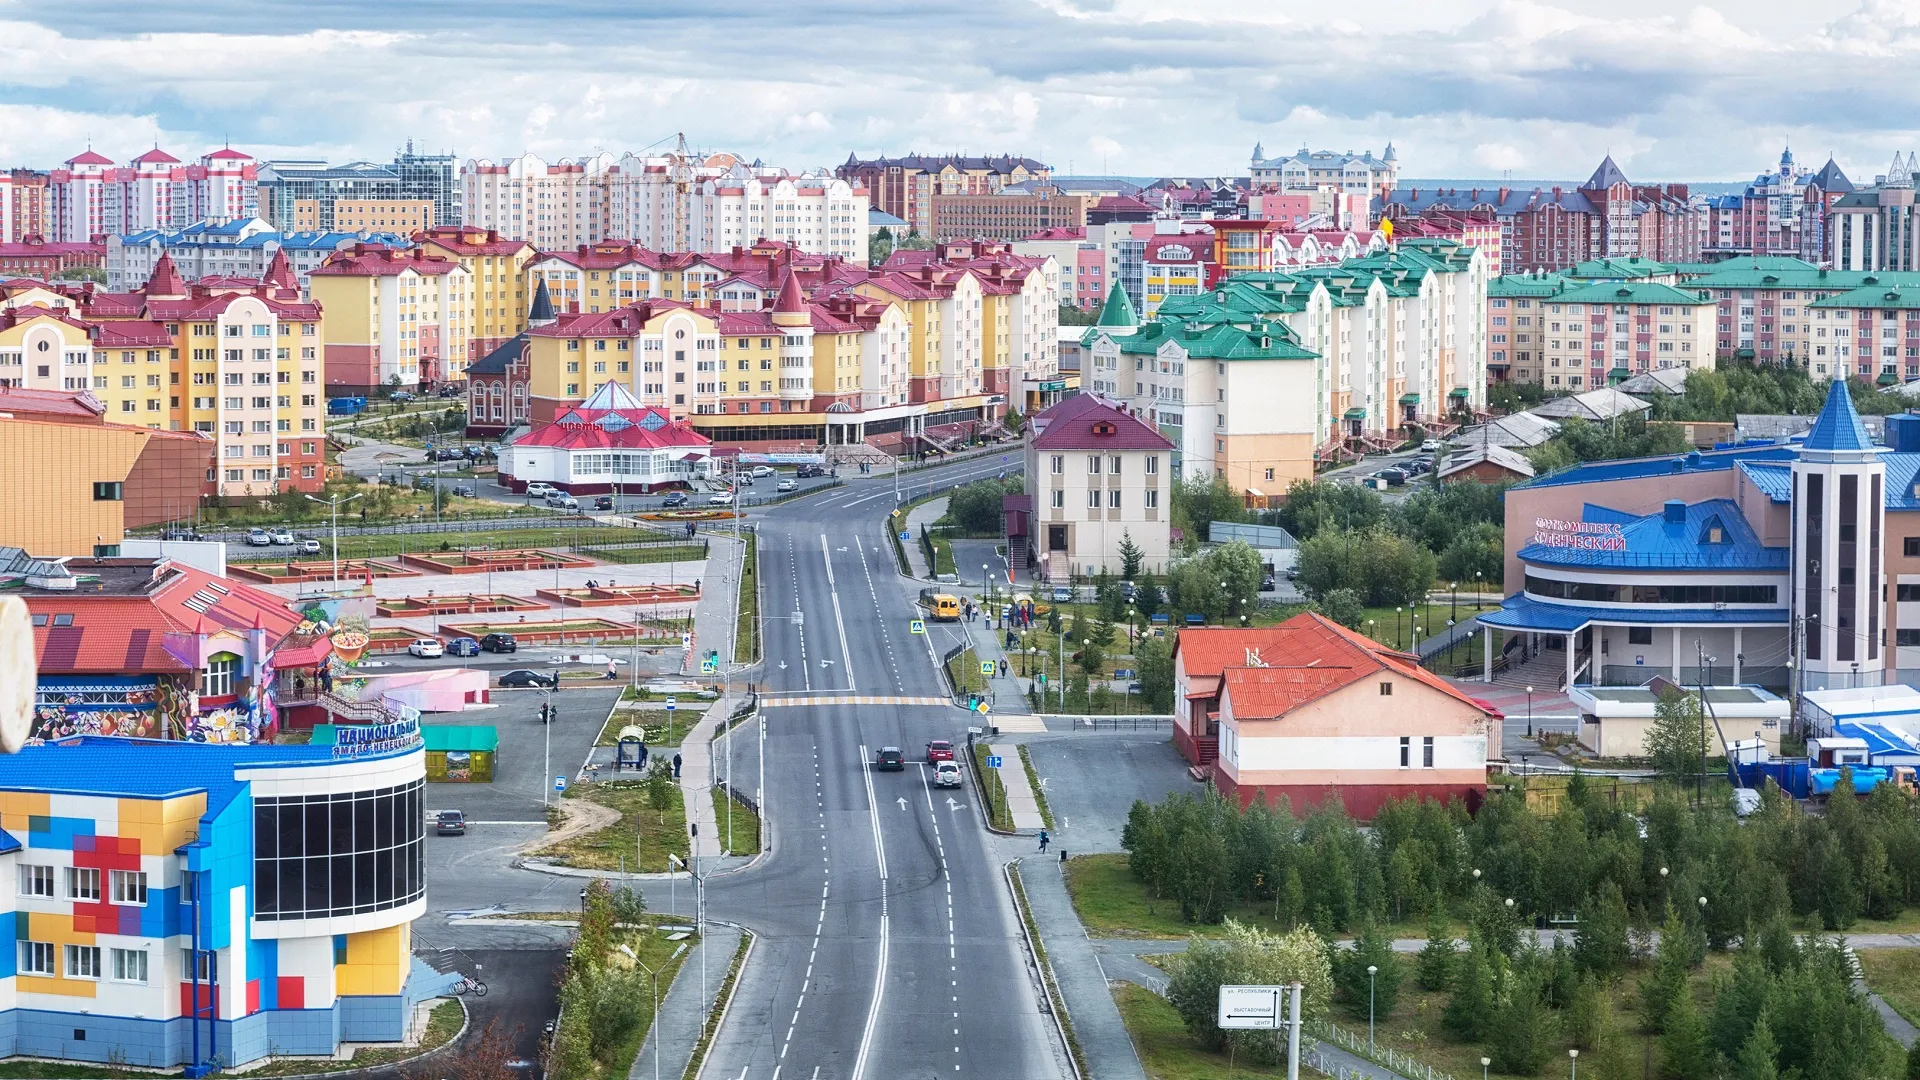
1207	749
1544	672
347	711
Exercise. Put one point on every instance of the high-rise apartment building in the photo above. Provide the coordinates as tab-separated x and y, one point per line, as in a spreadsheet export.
1326	170
395	318
906	186
92	196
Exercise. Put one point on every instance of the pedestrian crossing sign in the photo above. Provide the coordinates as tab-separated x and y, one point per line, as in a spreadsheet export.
986	667
917	626
709	666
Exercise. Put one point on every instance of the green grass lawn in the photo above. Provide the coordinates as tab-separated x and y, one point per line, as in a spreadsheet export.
1894	974
998	810
746	641
642	831
590	539
651	949
1033	782
964	671
1168	1052
746	824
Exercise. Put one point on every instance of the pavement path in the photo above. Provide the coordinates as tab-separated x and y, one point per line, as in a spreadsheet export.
918	519
684	1010
1077	971
1021	800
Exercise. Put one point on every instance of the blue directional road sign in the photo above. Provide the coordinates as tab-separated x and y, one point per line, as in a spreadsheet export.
993	761
559	783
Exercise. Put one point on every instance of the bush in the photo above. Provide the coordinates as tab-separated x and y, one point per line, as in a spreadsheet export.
1244	955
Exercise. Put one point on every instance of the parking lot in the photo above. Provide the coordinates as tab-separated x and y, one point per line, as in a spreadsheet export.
1091	780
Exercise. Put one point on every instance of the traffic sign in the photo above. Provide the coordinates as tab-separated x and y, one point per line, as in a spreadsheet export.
904	535
670	704
709	666
984	706
686	640
993	761
1255	1007
1043	678
986	667
916	627
559	783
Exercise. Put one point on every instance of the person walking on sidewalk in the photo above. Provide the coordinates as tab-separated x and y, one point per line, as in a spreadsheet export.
1043	841
1003	667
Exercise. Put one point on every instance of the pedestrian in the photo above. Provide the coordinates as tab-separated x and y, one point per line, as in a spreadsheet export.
643	757
1044	838
676	766
1003	667
612	674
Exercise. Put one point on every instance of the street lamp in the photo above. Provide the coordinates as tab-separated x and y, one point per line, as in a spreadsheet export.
1484	1062
656	1012
1573	1056
986	578
1529	712
1453	587
1371	970
333	502
1396	624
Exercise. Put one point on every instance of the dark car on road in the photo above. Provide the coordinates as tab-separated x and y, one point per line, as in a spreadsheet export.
523	678
604	502
890	759
677	498
499	643
463	646
450	823
808	472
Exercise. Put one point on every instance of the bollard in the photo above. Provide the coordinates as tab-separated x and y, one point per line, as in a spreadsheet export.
1063	856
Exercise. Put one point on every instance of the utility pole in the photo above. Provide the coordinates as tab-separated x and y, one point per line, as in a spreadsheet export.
333	502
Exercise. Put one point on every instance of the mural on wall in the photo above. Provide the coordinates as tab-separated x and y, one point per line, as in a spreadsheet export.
98	705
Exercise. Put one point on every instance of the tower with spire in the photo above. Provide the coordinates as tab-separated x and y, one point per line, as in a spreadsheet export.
793	317
540	313
1839	511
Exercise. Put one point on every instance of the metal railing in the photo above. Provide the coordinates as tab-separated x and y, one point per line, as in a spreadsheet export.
1380	1055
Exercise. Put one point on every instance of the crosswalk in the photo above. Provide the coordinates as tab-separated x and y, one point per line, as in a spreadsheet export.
774	701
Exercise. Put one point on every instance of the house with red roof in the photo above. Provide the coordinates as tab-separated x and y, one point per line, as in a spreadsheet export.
154	648
1310	711
1096	475
608	443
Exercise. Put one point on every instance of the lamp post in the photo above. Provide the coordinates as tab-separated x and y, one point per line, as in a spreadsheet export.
1573	1069
333	503
1484	1063
1453	604
986	578
656	1011
1529	712
1371	970
1398	639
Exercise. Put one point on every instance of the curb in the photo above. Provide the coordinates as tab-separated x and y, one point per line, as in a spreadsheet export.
696	1069
466	1024
1056	1005
980	795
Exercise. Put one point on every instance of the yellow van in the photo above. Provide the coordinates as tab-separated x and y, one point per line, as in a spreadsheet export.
944	608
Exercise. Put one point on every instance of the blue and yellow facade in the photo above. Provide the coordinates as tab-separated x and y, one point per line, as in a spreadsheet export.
181	904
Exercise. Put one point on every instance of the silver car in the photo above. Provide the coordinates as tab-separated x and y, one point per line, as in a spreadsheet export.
946	774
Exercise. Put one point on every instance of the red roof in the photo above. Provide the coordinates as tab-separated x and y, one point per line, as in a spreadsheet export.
228	153
1199	248
791	300
126	634
470	241
156	156
90	157
363	261
594	429
131	333
1064	232
1306	658
31	403
1085	422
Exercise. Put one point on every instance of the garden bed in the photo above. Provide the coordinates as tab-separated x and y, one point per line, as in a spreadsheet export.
481	562
316	569
561	631
620	595
408	606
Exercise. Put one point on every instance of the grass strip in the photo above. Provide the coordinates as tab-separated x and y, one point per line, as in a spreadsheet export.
746	824
1039	793
998	812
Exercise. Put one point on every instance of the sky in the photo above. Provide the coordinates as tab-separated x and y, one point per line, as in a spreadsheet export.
1463	88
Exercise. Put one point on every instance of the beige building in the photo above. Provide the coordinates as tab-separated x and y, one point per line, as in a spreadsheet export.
394	318
1096	475
1572	336
366	215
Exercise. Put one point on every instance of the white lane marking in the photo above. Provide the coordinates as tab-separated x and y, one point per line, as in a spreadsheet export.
846	655
953	965
819	926
799	626
880	972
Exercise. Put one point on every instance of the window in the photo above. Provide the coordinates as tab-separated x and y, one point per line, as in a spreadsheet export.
130	965
1386	689
1639	635
197	965
330	855
1113	464
83	961
1093	464
1426	752
1406	751
1910	547
1152	499
1113	499
1060	466
36	881
36	958
129	886
217	680
1153	465
106	491
83	883
1906	637
1093	499
1059	499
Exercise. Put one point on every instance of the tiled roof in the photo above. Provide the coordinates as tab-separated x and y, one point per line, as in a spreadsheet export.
611	417
1209	650
495	362
1773	478
125	629
1602	403
23	402
1310	657
1519	612
89	157
384	262
1071	425
1634	468
1891	297
1655	543
1631	292
1607	175
156	156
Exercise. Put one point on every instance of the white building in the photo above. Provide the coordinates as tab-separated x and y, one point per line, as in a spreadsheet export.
1096	475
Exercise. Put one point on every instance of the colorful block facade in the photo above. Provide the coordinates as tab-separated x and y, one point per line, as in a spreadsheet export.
165	911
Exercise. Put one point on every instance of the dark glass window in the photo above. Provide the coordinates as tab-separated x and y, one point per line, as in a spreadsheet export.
321	856
1621	593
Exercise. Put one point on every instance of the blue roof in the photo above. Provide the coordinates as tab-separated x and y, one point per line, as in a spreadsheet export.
1635	468
1879	739
1521	612
152	768
1653	542
1838	426
1774	479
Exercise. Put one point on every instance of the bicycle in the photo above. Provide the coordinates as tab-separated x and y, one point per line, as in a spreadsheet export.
470	985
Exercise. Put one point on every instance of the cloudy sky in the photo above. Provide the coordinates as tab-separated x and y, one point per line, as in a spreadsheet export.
1463	88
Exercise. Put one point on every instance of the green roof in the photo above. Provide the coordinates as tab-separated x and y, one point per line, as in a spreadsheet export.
1219	334
479	738
1528	285
1118	310
1740	274
1631	292
1885	297
1619	269
1746	262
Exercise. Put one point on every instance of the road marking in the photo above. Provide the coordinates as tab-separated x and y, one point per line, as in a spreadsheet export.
826	555
819	925
880	972
829	698
953	965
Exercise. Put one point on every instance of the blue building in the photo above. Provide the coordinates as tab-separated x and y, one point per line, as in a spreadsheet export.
242	248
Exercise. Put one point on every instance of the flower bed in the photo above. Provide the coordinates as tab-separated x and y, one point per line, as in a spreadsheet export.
620	595
405	606
479	562
555	632
686	515
291	573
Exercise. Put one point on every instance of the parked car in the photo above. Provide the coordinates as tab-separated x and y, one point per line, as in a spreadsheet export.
1394	477
521	677
451	391
946	774
450	823
283	536
890	759
604	502
308	546
1128	590
720	498
427	648
805	472
939	750
259	538
787	484
1431	446
763	470
560	500
673	499
1267	584
463	490
540	489
183	534
499	643
1062	594
463	646
402	396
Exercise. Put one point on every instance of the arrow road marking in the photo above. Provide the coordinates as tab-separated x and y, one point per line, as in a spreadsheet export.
903	802
952	806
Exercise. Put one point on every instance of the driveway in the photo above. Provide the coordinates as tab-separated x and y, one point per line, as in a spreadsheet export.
1091	780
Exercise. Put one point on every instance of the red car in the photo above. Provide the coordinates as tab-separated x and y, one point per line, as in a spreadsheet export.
939	750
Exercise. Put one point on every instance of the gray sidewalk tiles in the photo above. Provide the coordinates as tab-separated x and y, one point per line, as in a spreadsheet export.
682	1012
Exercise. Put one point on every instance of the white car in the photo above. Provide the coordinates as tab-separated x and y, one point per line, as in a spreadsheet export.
789	484
259	538
561	501
946	774
427	648
763	470
283	536
540	489
309	546
720	498
1431	446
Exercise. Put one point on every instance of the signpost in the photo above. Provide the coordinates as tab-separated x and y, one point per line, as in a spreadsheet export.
917	627
986	667
559	783
671	704
1265	1008
993	762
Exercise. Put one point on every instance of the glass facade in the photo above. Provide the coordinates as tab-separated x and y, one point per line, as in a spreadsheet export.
1611	593
347	853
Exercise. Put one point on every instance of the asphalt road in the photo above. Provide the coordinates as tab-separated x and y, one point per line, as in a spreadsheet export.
888	945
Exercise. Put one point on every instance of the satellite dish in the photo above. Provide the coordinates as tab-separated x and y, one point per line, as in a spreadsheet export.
16	674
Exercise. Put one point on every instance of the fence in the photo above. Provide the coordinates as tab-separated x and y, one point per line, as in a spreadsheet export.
1379	1055
1116	723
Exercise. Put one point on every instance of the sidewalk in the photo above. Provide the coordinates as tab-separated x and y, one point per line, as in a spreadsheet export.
1011	711
1020	798
696	778
682	1012
1076	970
918	519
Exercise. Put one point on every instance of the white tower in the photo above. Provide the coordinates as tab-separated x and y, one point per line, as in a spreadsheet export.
1839	511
